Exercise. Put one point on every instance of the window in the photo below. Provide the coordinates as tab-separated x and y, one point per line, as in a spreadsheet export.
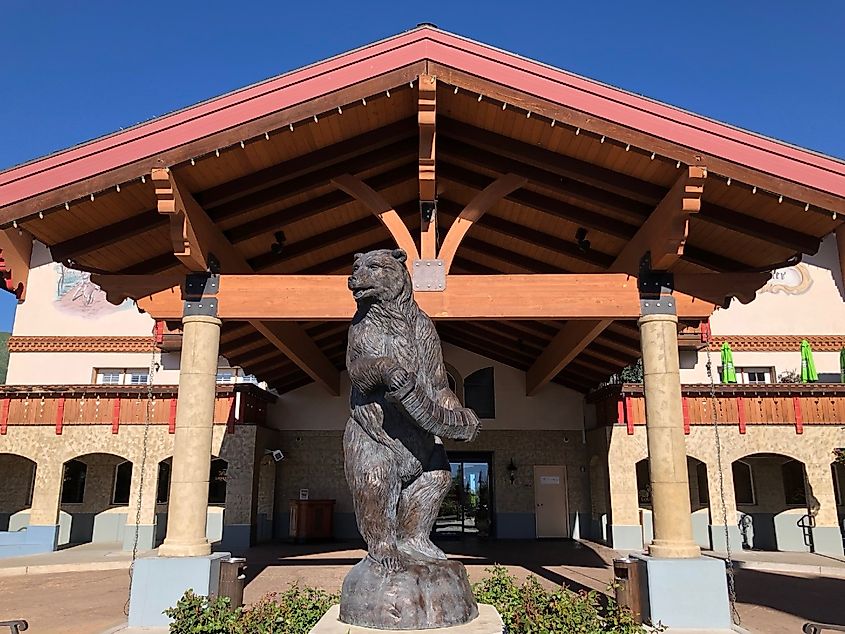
217	481
122	376
743	483
703	488
480	393
794	491
122	482
163	487
754	375
73	482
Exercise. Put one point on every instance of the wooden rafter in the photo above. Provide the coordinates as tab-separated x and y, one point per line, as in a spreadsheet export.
475	209
327	298
383	210
199	238
663	235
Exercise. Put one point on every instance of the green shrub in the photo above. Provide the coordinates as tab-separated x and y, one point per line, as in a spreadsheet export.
531	609
294	611
526	609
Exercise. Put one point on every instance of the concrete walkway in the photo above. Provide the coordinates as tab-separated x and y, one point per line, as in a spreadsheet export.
82	558
796	563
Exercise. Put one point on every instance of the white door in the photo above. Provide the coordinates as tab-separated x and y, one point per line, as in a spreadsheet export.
550	501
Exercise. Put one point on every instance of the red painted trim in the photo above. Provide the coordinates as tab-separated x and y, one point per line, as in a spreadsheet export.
233	415
740	408
171	421
60	415
799	419
596	99
4	417
158	332
115	416
706	332
629	417
620	412
685	408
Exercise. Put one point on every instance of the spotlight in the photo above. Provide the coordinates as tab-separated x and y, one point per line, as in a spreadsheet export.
581	239
279	244
427	210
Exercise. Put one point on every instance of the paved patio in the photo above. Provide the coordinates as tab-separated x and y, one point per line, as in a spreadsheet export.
92	601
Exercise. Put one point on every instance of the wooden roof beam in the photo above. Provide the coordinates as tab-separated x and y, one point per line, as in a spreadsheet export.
15	257
532	296
663	235
427	119
197	236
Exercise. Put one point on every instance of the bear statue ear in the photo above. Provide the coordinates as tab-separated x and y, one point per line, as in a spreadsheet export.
358	256
400	254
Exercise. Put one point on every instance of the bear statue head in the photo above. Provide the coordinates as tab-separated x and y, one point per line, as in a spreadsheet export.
380	276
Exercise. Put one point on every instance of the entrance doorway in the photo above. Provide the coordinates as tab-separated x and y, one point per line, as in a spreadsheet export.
550	501
467	509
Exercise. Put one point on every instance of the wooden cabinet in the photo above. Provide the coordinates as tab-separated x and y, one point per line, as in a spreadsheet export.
311	519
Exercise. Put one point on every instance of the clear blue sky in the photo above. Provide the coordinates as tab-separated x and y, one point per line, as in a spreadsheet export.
71	71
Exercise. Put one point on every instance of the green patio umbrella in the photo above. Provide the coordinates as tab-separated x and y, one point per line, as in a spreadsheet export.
842	364
728	370
808	366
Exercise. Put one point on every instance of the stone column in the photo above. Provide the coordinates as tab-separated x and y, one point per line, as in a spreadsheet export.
146	525
718	517
44	511
665	434
821	503
186	518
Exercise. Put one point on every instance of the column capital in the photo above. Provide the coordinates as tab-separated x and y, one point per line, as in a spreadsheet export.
201	319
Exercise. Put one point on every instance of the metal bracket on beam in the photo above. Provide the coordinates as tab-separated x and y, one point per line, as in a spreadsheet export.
200	291
429	276
656	289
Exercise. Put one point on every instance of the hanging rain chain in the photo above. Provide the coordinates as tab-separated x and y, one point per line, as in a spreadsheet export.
729	564
149	410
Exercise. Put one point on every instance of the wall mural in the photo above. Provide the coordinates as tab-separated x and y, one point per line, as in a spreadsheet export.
792	280
77	294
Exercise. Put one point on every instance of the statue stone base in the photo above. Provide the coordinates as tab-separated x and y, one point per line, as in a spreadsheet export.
488	621
429	593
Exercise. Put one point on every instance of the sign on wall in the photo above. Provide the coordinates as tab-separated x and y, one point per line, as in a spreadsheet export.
792	280
77	294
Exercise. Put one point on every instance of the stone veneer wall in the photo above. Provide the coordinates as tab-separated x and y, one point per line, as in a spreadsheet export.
314	461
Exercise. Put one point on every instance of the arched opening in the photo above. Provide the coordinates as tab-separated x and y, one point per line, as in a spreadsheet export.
837	472
480	392
699	497
16	486
599	499
216	498
771	501
95	498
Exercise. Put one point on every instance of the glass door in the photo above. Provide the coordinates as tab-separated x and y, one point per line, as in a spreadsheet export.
467	507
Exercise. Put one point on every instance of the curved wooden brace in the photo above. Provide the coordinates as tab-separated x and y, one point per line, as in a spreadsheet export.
376	203
187	246
476	208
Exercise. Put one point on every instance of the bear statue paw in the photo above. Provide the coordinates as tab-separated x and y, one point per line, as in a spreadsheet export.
389	557
423	546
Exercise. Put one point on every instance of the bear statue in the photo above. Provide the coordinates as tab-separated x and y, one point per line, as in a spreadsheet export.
394	459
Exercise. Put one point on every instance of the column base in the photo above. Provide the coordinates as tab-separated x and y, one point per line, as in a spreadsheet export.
32	540
674	549
827	540
717	538
686	593
146	536
194	549
626	538
488	621
159	582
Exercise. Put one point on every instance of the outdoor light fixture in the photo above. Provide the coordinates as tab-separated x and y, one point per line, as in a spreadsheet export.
581	239
512	471
427	210
279	244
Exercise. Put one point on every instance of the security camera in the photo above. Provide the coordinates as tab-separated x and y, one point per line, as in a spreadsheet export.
277	454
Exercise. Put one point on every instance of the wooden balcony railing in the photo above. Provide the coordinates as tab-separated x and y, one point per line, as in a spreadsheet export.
61	406
796	404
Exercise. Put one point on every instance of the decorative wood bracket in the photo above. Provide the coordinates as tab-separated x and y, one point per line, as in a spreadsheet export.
188	244
15	256
383	210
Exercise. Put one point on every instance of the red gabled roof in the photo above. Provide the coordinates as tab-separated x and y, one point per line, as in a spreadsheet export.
425	43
